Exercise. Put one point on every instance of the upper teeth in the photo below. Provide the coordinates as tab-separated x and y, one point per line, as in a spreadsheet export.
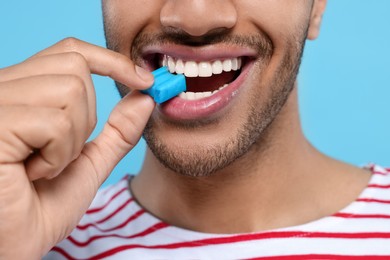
201	69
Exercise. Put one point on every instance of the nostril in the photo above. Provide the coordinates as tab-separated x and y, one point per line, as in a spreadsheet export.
198	17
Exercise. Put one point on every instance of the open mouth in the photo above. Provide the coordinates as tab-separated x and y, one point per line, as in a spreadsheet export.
215	77
204	78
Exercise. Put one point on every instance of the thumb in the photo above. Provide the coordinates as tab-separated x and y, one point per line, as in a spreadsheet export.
120	134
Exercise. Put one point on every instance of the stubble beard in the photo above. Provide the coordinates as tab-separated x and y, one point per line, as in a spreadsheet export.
205	160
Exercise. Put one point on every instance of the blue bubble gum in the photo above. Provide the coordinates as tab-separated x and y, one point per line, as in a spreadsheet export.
166	85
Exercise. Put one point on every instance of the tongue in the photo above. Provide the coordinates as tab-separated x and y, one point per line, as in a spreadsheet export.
212	83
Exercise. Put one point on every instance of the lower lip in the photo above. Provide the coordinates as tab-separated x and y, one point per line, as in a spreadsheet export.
181	109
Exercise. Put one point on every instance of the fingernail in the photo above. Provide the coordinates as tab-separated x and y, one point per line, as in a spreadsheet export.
144	74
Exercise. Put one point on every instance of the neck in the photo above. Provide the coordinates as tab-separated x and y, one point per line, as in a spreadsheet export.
282	181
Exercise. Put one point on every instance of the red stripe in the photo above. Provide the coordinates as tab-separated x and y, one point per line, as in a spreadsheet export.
369	200
371	167
115	212
242	238
320	257
62	252
380	173
378	186
288	257
349	215
148	231
283	257
131	218
94	210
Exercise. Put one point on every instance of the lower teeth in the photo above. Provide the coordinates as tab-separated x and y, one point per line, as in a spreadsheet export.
199	95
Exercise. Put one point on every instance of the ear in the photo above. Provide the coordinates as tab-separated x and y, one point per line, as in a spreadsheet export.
316	19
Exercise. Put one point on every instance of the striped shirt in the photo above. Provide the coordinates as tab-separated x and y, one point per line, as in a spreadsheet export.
116	227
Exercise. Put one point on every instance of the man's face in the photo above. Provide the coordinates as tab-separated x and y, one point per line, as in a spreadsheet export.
253	48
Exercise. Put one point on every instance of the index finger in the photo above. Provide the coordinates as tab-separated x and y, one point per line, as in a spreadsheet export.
104	62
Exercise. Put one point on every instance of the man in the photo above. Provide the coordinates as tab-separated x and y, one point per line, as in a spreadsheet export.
228	173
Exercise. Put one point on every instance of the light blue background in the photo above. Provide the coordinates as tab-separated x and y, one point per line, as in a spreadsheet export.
344	79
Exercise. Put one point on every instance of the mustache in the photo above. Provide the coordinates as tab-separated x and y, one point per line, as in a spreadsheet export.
259	42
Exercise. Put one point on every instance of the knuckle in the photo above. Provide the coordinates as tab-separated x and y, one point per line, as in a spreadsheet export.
54	172
62	124
133	125
76	58
75	63
74	87
70	44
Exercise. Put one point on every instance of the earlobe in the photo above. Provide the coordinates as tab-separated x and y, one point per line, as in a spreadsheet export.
316	19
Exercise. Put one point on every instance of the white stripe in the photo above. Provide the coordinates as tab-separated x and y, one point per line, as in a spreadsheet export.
101	199
246	249
368	208
115	221
275	247
160	238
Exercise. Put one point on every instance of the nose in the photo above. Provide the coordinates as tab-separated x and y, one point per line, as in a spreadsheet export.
198	17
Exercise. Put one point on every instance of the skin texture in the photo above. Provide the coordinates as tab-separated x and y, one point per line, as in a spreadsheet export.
256	108
251	163
44	161
273	178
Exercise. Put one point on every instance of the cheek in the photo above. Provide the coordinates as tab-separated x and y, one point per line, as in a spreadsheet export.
280	20
124	19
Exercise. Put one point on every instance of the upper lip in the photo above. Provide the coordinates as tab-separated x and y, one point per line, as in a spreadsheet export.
198	54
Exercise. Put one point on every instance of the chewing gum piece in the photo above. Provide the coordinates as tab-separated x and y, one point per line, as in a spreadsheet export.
166	85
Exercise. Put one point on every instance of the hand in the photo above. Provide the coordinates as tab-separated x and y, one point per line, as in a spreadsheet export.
48	175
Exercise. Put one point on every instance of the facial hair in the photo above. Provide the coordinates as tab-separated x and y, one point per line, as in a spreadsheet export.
203	159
